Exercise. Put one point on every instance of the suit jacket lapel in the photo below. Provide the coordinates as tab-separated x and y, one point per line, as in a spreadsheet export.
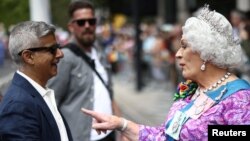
22	82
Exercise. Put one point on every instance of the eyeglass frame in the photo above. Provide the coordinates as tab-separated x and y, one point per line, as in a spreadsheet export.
52	49
91	21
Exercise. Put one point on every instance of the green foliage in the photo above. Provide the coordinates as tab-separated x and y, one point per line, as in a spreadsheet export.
13	11
59	11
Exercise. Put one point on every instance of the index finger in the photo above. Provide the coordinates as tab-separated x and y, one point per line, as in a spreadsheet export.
94	114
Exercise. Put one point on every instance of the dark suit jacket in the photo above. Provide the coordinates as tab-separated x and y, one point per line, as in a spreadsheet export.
24	115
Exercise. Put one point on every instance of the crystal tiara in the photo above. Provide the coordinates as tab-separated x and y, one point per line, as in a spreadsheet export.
216	23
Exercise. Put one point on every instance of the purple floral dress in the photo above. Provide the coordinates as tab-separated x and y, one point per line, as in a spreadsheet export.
234	110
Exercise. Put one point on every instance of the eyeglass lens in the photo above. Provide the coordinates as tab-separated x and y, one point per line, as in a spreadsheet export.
82	22
53	48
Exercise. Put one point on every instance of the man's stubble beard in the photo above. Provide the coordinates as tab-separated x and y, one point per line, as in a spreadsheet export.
87	42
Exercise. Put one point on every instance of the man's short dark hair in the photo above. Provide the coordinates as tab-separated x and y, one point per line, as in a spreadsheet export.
79	4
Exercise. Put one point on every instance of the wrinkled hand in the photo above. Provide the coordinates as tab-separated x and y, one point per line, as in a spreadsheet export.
103	122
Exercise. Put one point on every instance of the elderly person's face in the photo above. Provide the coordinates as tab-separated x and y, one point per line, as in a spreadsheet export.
188	60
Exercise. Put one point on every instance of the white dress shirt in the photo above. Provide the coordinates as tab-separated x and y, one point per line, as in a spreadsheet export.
102	101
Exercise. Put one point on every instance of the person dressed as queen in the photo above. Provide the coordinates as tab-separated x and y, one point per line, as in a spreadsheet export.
212	95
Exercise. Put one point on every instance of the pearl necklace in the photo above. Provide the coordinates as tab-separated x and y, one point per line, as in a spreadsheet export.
199	108
226	76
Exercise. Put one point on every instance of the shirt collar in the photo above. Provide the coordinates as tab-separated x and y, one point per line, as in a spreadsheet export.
38	87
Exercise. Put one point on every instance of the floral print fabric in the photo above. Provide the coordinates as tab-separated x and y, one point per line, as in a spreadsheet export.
234	110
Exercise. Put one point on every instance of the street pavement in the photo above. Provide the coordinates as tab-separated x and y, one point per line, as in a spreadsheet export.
148	106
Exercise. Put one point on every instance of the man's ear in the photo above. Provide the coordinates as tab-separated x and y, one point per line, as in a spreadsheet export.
70	27
28	57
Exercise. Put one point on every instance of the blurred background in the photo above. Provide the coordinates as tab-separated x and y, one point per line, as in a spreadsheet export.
139	38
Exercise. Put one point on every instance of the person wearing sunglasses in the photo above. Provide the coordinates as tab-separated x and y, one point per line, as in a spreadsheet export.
28	110
77	84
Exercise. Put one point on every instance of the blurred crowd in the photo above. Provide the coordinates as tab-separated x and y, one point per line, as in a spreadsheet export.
159	45
3	44
241	25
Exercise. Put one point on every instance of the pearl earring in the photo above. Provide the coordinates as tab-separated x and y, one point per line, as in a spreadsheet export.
203	66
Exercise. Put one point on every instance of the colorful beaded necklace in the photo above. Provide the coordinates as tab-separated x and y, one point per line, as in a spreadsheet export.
185	89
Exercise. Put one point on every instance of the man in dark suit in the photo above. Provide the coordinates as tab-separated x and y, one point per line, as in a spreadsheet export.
28	110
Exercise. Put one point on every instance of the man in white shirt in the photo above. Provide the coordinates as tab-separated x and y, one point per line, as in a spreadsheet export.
77	84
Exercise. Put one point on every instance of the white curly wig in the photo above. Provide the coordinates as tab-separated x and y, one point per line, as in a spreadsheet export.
211	35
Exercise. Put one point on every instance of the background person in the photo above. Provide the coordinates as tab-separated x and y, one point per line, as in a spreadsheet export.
77	84
211	96
28	110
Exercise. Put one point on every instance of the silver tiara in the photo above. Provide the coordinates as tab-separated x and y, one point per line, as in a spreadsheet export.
216	24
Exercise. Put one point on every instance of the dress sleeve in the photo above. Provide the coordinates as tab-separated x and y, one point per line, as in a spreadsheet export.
237	108
148	133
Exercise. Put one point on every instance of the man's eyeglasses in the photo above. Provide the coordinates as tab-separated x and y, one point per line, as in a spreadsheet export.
82	22
52	49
